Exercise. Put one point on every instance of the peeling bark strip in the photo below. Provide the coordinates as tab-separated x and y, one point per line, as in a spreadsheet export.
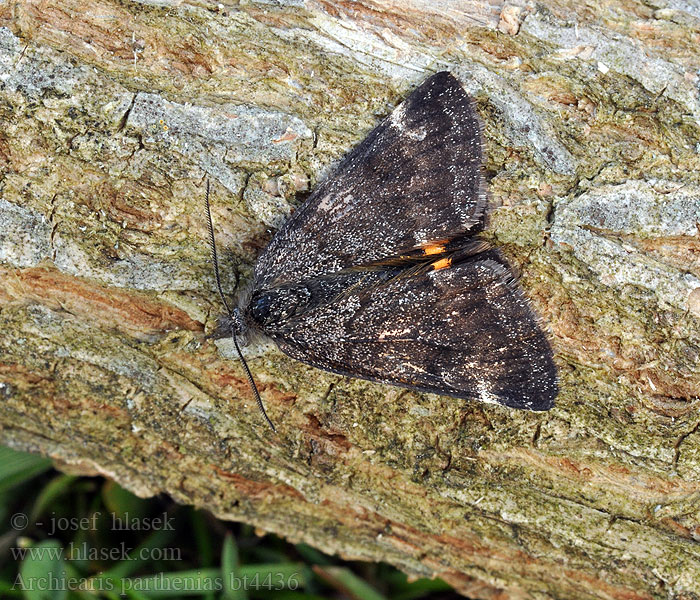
113	113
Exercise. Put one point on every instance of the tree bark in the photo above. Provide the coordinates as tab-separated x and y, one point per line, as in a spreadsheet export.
114	113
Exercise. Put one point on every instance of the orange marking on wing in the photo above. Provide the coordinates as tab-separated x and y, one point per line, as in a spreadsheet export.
436	248
443	263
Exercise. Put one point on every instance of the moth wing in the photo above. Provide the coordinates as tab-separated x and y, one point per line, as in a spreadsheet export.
415	179
465	331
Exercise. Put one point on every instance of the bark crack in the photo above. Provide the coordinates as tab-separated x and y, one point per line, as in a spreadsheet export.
244	187
679	443
536	435
54	227
125	116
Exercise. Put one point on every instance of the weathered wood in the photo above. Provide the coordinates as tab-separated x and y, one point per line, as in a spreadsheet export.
112	115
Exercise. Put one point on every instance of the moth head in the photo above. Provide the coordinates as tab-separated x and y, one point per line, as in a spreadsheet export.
238	327
228	324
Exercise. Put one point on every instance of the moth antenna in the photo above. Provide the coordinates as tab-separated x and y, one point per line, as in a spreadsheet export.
251	381
214	258
232	316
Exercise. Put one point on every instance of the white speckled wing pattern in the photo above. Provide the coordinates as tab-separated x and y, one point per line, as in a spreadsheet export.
414	179
465	331
378	275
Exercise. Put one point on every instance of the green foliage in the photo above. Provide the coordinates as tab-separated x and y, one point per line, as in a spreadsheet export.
76	538
42	566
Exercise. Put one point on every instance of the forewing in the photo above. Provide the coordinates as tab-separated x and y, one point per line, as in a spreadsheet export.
465	331
415	179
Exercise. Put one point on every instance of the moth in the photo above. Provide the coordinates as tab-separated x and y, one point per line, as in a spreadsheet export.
380	273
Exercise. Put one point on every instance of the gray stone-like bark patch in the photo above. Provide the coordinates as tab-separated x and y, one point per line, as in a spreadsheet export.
600	225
